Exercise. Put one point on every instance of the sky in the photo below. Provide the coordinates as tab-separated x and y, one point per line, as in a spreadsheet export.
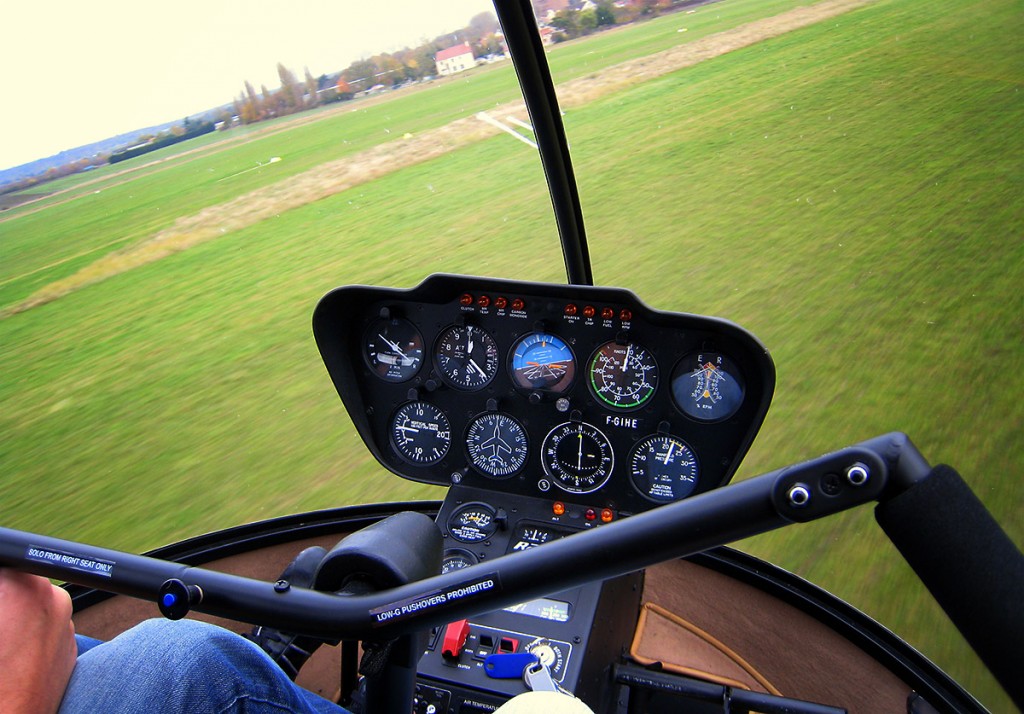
77	72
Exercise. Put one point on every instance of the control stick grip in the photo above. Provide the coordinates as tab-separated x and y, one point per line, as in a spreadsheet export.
969	564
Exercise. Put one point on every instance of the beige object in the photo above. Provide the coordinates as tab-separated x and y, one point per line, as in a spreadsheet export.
544	703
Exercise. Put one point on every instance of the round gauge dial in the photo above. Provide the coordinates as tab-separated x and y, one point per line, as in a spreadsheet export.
420	433
472	523
393	349
663	468
542	361
623	375
466	357
707	386
577	457
457	559
497	445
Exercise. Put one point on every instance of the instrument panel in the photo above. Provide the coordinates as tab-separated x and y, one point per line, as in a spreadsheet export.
553	391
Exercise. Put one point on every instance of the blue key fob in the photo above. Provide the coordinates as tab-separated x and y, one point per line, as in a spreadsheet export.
508	665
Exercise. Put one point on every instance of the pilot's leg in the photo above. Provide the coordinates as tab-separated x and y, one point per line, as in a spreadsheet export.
183	666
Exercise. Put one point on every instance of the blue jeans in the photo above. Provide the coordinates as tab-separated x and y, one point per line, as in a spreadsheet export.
183	666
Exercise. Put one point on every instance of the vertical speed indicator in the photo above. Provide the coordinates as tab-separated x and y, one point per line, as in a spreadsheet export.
420	433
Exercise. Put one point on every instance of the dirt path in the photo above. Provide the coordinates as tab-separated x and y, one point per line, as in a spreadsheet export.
337	176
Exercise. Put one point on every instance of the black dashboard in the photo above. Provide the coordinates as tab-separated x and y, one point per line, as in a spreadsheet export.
572	394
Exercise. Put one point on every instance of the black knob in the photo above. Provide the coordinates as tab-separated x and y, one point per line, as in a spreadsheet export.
176	598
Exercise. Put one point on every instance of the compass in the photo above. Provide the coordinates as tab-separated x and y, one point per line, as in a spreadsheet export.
497	445
577	457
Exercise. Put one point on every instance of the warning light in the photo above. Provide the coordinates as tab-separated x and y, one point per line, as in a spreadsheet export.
589	311
590	514
607	515
625	315
518	304
466	299
501	302
483	301
558	508
607	313
570	309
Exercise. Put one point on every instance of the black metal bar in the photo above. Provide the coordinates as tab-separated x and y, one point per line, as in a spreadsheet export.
640	680
527	51
738	511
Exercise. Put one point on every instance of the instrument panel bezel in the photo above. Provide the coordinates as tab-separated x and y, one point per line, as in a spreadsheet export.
342	317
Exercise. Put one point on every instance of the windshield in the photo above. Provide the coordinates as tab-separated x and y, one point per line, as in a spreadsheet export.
841	178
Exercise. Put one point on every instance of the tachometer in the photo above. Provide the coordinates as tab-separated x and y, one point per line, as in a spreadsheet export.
663	468
577	457
707	386
623	375
496	444
466	356
393	349
543	361
420	433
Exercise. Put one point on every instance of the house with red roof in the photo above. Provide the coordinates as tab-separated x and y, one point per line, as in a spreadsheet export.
454	59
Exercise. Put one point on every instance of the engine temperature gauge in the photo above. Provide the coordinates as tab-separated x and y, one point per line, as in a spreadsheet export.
472	523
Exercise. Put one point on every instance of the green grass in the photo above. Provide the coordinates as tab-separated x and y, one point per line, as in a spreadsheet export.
848	192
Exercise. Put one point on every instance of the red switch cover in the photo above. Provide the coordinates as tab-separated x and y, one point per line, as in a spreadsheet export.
455	635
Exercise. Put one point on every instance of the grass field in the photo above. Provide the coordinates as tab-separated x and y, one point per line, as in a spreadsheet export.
849	192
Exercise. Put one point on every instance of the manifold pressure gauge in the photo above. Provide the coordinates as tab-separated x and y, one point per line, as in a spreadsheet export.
663	468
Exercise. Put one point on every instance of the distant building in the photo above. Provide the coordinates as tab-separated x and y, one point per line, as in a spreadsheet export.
454	59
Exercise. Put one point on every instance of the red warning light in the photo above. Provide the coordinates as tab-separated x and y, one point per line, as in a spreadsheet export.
590	514
518	304
607	313
589	311
570	309
483	301
466	299
558	508
501	302
607	515
625	315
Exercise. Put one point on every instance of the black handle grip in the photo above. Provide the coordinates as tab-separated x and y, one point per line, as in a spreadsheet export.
969	564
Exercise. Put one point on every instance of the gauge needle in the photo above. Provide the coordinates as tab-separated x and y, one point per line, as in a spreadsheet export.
474	365
407	428
393	345
579	455
668	454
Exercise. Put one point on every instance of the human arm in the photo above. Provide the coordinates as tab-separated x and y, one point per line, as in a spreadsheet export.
37	643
